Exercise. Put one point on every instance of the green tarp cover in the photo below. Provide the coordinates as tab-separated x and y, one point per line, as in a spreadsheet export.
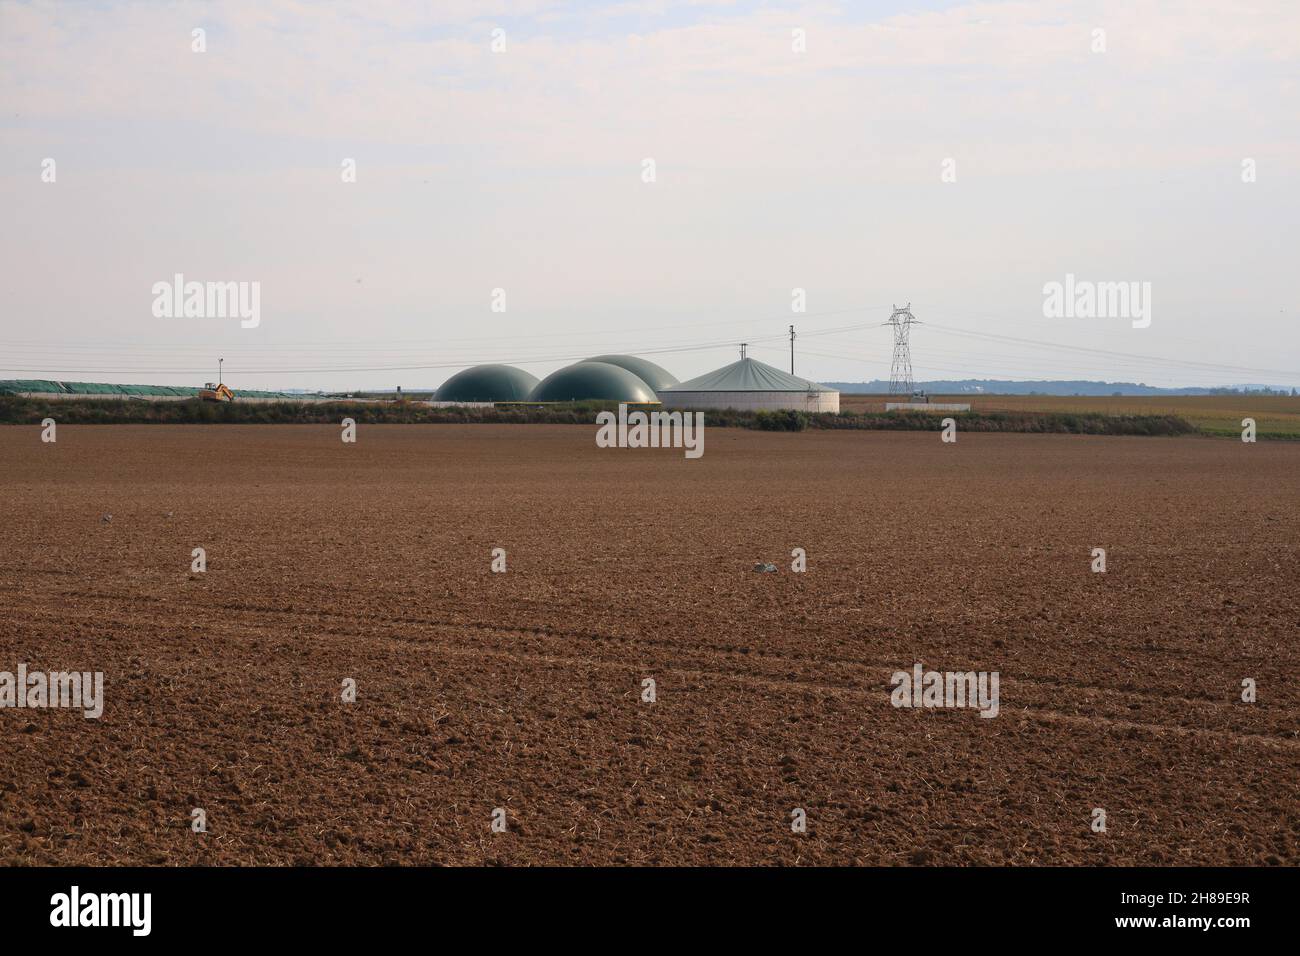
46	386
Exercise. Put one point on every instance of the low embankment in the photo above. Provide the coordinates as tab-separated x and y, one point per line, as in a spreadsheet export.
31	411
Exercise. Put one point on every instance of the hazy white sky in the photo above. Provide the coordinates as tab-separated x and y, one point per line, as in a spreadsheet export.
523	170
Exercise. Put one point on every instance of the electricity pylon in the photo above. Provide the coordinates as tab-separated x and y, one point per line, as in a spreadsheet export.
900	372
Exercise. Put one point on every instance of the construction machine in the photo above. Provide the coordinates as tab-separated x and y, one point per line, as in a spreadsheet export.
216	392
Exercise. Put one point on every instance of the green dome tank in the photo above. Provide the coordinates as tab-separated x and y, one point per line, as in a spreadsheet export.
653	375
592	381
487	383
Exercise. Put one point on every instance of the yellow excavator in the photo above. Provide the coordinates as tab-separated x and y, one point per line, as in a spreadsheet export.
216	392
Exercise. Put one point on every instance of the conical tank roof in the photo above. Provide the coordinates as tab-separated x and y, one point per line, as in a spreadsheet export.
748	375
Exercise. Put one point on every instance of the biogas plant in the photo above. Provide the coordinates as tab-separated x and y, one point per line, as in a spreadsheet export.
747	384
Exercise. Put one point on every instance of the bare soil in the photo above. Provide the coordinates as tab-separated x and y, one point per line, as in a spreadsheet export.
522	690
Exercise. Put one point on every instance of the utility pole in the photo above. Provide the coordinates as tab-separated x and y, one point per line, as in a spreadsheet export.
792	350
742	349
219	363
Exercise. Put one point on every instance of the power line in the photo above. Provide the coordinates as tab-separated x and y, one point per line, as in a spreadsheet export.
1187	363
461	363
442	342
31	354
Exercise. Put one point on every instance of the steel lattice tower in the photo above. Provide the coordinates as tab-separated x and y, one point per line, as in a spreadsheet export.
900	372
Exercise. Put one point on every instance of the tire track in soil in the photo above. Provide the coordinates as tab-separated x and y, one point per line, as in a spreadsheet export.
864	689
547	630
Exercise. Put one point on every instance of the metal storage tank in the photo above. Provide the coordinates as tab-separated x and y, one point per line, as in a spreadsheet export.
653	375
751	384
487	383
592	381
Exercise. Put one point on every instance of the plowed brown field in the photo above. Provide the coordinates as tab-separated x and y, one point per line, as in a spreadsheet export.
522	690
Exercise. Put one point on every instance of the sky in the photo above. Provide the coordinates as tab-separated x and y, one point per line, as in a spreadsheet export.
959	157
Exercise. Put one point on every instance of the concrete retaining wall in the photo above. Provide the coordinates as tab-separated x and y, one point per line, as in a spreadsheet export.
927	406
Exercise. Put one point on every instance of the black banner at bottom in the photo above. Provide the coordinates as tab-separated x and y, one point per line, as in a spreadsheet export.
335	905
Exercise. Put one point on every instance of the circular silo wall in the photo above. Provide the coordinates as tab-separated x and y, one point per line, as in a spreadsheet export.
751	385
828	401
